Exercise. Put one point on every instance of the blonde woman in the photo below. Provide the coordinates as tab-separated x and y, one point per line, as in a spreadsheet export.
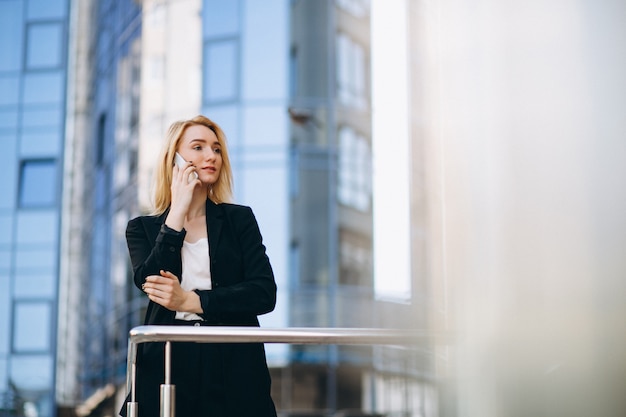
201	262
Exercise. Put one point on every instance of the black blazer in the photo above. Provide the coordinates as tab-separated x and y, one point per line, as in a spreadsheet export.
242	277
243	287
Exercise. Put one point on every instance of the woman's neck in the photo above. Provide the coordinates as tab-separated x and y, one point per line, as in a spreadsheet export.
197	208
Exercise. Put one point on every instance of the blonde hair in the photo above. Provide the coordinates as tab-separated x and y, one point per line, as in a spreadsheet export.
220	192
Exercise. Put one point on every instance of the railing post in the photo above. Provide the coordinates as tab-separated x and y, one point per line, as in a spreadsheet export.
168	391
131	406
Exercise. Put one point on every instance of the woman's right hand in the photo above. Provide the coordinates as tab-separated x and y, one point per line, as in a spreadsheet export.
182	193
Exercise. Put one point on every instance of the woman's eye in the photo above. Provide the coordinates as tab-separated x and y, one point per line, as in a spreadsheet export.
217	150
197	148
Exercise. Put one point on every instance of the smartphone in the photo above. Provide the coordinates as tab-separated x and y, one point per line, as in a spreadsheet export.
180	161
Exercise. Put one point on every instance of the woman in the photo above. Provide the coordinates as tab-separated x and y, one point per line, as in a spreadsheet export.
201	261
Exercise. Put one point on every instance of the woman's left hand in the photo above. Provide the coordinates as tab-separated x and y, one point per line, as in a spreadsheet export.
165	290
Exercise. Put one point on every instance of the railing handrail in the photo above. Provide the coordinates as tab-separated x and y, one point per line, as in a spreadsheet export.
291	335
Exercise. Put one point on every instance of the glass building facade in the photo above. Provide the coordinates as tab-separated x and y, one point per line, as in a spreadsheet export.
33	71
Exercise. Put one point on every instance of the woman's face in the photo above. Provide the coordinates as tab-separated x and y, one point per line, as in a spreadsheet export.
199	145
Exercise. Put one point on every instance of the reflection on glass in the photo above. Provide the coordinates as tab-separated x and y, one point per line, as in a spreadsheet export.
9	85
5	315
31	372
8	183
221	79
51	116
3	375
31	324
38	183
39	259
43	88
8	118
220	18
40	142
44	45
10	35
5	261
46	9
37	227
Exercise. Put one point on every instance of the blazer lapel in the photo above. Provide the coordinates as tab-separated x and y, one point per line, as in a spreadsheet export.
214	220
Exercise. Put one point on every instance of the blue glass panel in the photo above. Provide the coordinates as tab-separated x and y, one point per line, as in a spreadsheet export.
220	18
43	88
46	9
5	261
44	45
38	183
41	143
8	119
39	226
221	69
5	315
10	87
37	259
34	285
8	162
3	375
11	42
228	119
31	372
264	51
48	117
6	229
31	325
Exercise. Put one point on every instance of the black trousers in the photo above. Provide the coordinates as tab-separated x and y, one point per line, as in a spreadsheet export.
212	380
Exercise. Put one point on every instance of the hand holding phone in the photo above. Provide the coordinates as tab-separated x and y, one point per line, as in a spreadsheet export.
181	163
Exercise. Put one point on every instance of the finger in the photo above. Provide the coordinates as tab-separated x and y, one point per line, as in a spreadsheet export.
154	279
168	274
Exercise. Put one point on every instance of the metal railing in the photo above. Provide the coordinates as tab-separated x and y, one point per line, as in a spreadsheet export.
220	334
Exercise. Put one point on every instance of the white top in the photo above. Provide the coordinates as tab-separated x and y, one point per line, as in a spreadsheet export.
196	271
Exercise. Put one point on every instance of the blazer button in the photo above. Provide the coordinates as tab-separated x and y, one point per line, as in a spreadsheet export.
172	249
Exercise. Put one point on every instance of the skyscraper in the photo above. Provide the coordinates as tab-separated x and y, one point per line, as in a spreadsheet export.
33	70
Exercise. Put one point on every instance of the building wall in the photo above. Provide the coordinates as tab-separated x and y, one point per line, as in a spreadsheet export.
33	69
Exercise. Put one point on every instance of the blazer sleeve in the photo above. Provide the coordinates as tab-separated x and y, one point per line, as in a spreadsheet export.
254	291
150	255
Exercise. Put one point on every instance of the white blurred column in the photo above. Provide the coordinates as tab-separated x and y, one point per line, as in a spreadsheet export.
525	105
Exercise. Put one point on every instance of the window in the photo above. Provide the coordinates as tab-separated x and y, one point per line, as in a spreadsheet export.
31	327
38	183
11	42
10	169
40	227
5	315
8	119
44	45
354	179
32	373
351	89
220	18
10	87
46	9
43	88
355	262
221	71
